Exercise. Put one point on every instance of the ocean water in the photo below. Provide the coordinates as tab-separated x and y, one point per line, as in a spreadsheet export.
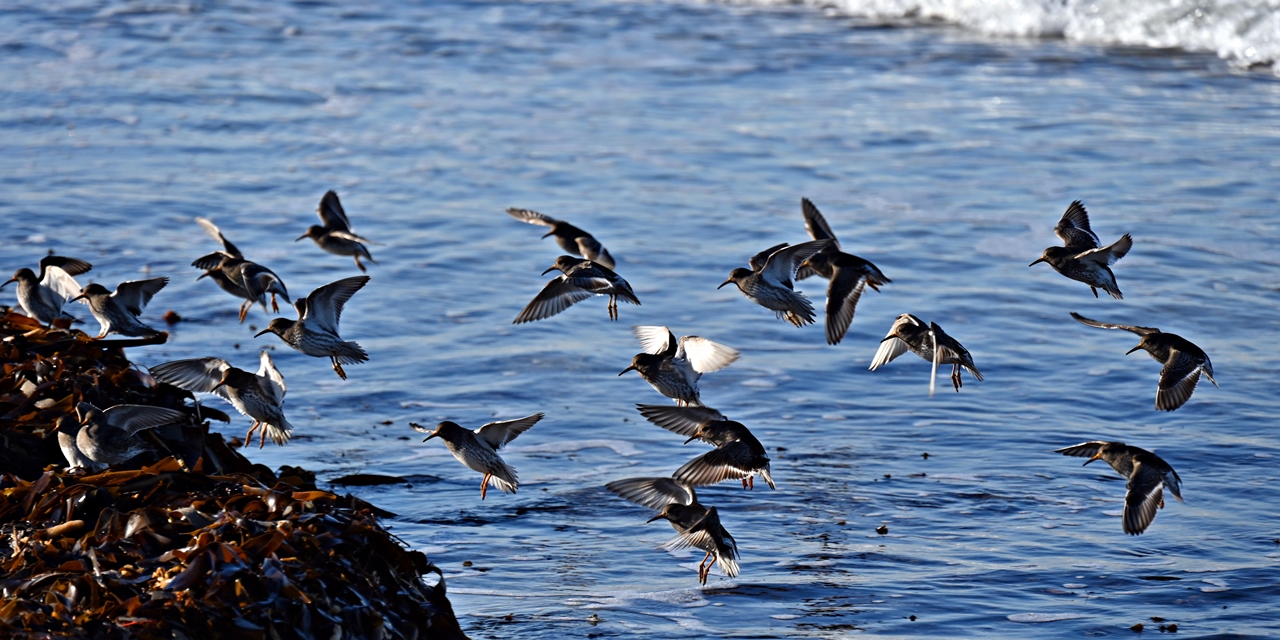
683	136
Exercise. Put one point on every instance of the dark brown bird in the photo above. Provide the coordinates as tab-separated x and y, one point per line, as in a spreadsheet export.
580	279
768	281
929	342
334	234
1183	361
1082	258
478	449
848	274
698	526
1148	475
570	238
738	455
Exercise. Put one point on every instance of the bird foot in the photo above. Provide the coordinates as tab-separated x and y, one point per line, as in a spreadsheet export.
244	309
337	368
484	485
275	308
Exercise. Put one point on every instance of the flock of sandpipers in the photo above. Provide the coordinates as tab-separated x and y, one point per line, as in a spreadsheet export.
96	438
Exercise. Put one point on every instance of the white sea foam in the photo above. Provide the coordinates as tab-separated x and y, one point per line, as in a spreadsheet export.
1243	32
1043	617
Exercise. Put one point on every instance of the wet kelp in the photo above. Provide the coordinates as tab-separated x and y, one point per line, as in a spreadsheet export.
198	544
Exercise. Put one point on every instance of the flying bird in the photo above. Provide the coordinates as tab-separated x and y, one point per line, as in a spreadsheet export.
259	396
1183	361
698	526
768	281
672	367
117	311
910	333
570	238
738	455
580	279
848	274
315	332
248	281
334	234
478	449
1148	476
1081	257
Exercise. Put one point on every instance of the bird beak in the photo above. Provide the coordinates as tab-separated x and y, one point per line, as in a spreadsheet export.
79	297
1095	457
203	276
1132	350
548	233
6	282
223	383
305	235
691	439
657	517
725	282
549	269
267	330
886	338
430	437
630	368
1038	261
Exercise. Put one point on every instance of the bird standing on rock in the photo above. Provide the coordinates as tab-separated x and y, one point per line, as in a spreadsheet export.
848	274
1183	361
570	238
478	449
241	278
738	455
118	311
43	295
580	279
673	367
1148	476
1081	258
315	332
929	342
334	234
768	281
259	396
698	526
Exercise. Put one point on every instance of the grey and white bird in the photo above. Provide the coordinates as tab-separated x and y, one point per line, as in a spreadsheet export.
1148	476
43	295
259	396
66	429
672	367
930	342
698	526
1082	258
580	279
570	238
117	311
334	233
848	274
1183	361
109	436
246	280
315	332
768	282
738	455
478	449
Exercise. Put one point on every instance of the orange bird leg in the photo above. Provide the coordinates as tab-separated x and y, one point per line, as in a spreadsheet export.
244	309
484	485
274	307
248	437
751	483
337	368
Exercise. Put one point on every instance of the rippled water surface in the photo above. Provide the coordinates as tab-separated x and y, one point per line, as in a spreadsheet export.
683	136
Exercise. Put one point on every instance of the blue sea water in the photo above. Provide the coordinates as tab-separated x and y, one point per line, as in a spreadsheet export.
683	135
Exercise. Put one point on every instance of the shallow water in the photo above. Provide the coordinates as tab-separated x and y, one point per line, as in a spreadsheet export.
683	136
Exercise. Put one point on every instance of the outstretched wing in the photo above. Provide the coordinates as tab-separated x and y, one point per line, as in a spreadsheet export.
133	418
843	293
654	339
654	493
1145	495
1142	331
498	434
591	249
682	420
323	307
729	462
60	282
1178	379
704	355
533	217
558	295
72	266
782	264
135	294
1073	229
1082	450
1106	256
257	280
815	224
216	233
332	216
200	375
759	260
267	369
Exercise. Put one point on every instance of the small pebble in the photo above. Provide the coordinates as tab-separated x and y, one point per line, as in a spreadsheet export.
172	317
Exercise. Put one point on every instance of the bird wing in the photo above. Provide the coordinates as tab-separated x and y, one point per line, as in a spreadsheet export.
815	224
1082	450
1073	229
332	216
934	330
347	235
759	260
1142	331
132	418
843	293
1107	255
1178	379
257	280
211	260
591	249
498	434
682	420
216	233
72	266
135	294
532	217
61	282
782	264
267	369
890	348
654	339
729	462
1144	496
200	375
558	295
704	355
654	493
323	307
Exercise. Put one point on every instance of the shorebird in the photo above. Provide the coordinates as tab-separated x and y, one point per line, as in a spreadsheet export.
673	367
334	233
118	311
109	436
43	295
848	274
570	238
478	449
259	396
248	281
1082	258
580	280
1148	475
315	332
738	455
768	281
1183	361
698	526
67	427
929	342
